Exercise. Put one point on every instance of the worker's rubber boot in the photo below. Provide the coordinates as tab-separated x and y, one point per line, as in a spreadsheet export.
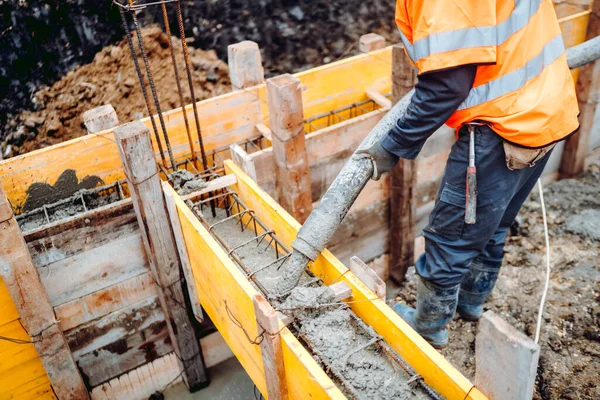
476	287
435	309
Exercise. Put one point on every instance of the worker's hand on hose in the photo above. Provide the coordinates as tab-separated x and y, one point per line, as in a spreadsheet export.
383	160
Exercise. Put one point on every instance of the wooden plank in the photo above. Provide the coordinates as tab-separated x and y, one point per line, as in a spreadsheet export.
225	293
289	146
265	131
93	270
120	341
380	99
148	380
368	276
241	158
245	65
506	359
82	233
427	362
104	301
588	94
100	119
371	42
402	181
192	292
144	183
216	184
28	295
270	347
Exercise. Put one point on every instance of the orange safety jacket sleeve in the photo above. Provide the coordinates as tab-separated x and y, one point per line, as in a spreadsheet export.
441	34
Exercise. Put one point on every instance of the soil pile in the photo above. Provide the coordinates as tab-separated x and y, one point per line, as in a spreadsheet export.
111	79
569	364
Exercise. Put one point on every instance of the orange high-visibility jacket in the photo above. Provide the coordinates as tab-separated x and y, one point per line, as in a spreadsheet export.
523	87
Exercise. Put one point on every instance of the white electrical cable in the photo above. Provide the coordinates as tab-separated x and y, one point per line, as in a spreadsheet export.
545	292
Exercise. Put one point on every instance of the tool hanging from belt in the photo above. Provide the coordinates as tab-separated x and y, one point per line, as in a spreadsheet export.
471	187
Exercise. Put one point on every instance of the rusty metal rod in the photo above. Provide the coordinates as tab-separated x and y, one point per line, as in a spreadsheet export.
177	80
190	83
142	84
152	86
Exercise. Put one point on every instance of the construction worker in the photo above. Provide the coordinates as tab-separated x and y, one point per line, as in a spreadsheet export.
500	65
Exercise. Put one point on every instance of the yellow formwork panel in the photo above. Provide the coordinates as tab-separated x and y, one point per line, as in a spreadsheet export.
22	375
226	296
426	361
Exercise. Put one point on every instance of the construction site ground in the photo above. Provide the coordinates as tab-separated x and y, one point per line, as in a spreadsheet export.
569	364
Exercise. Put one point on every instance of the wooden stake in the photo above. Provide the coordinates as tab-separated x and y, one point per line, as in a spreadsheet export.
588	94
371	42
402	181
506	360
284	94
32	302
270	347
245	65
100	118
140	168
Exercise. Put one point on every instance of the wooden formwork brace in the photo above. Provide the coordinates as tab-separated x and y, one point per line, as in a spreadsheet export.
371	42
100	119
36	312
141	170
289	146
245	65
402	181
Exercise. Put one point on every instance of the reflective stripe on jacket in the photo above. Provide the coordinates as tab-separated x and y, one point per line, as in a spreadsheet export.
523	86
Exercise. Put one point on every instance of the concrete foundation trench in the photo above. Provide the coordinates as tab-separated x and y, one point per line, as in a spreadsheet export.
351	353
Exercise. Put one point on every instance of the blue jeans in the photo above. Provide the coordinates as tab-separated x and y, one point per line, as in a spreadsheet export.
450	244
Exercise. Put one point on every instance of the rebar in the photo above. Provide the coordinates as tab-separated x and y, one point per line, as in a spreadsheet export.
152	86
177	80
190	83
142	83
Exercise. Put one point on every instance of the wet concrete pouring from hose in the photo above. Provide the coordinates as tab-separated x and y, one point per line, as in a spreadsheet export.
346	347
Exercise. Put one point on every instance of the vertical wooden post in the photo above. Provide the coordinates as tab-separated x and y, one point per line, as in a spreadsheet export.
100	118
270	347
588	94
371	42
286	115
30	298
402	181
141	171
245	65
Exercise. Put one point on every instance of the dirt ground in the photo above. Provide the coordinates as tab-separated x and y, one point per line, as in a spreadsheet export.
569	366
111	79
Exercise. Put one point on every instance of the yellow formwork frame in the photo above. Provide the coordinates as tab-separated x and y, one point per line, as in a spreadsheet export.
226	296
426	361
